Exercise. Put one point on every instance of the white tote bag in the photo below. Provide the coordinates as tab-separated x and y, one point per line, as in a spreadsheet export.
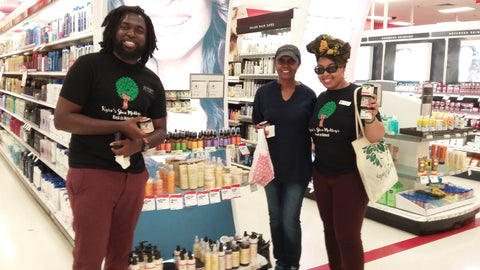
374	162
261	171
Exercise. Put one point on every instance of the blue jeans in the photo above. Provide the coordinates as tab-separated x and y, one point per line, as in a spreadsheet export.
284	205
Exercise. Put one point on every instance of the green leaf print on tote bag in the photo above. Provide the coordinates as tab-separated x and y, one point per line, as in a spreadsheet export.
374	162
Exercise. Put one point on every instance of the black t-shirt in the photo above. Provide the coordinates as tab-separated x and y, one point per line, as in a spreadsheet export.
110	89
334	154
290	149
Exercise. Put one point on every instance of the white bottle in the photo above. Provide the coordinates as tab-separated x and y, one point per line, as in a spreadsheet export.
150	265
196	247
158	260
221	258
134	265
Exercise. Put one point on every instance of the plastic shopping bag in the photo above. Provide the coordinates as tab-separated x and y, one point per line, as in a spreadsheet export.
261	171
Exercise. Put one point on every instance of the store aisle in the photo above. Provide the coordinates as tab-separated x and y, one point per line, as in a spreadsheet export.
28	237
30	240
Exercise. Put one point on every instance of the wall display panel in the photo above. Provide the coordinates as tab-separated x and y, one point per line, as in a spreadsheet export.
190	39
363	64
469	61
412	62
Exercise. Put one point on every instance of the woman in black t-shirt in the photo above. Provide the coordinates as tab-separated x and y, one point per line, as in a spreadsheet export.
339	191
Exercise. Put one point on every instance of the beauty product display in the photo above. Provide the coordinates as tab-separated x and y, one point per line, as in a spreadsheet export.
438	195
195	173
193	141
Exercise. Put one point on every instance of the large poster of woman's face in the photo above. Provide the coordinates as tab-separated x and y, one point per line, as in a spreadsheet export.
469	61
190	39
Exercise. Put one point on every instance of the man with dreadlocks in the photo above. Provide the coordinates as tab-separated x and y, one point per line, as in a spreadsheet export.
105	94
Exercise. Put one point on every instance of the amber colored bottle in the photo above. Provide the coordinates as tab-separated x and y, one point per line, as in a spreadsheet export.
170	180
168	144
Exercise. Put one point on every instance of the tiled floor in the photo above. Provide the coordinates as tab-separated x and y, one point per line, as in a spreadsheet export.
30	240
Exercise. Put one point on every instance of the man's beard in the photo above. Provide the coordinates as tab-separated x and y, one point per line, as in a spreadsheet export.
130	55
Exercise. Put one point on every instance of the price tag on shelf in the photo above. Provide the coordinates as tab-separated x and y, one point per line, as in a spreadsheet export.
176	201
231	146
429	137
458	135
459	98
446	136
2	69
244	149
197	150
163	202
424	179
148	204
433	178
446	97
190	198
236	191
210	149
203	198
177	152
226	193
215	196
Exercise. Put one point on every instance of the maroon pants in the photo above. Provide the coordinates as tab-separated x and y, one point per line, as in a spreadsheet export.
342	202
106	206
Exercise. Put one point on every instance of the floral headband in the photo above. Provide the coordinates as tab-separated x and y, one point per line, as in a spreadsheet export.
333	48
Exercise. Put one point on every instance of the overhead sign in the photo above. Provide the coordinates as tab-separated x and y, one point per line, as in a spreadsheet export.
269	21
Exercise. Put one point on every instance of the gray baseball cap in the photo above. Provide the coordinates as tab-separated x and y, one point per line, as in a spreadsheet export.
288	50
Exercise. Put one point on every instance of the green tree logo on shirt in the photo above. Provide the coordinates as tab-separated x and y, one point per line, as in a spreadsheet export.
127	90
326	111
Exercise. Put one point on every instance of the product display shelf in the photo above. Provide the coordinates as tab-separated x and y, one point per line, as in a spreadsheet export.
423	224
68	41
412	135
37	128
52	166
28	98
259	76
58	221
240	100
412	146
412	172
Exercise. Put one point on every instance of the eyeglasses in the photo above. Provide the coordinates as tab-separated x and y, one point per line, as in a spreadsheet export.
329	69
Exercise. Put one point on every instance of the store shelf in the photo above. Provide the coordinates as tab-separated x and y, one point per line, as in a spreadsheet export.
28	98
52	166
240	100
412	172
37	128
57	44
244	118
64	229
423	225
259	76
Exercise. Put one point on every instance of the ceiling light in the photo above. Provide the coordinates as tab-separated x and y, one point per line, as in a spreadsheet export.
400	23
454	10
378	18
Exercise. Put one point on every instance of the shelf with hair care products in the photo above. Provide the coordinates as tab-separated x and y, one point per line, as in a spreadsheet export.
46	185
187	180
228	252
51	153
32	116
52	63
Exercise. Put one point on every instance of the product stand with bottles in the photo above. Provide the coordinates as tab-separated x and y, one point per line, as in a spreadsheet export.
399	210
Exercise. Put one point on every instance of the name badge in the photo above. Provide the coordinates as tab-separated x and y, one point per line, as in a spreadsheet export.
344	103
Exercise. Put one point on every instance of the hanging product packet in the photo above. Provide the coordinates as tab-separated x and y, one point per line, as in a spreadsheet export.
261	171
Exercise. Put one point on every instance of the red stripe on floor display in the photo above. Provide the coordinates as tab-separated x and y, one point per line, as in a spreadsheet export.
385	251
